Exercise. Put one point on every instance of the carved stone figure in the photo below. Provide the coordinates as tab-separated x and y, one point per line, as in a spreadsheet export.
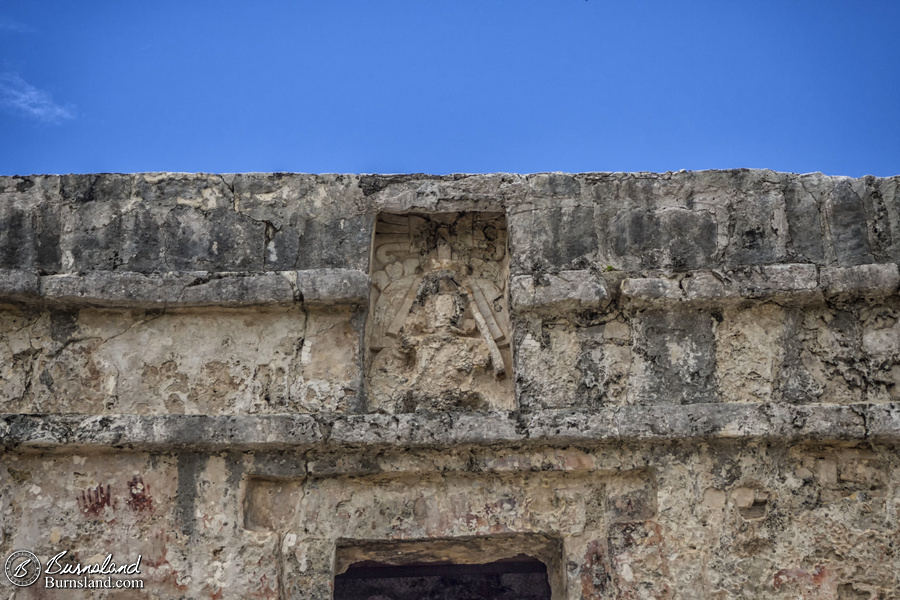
438	335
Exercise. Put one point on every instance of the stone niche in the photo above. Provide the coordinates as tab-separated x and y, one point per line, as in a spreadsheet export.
438	336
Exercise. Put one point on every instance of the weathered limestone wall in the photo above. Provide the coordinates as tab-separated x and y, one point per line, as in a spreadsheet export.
667	520
681	385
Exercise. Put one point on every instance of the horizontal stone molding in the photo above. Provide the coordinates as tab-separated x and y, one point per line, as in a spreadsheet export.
758	421
566	290
875	280
791	283
560	292
799	283
333	286
184	289
19	285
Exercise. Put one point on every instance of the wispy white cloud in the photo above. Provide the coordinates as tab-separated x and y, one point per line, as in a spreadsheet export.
20	97
11	26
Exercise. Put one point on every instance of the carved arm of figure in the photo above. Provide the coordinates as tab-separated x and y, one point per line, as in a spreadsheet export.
496	357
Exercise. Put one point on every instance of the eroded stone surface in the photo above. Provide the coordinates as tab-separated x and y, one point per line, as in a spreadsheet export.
720	520
156	362
840	352
681	385
439	330
631	221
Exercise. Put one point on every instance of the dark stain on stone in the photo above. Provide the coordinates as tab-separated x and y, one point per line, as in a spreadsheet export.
63	326
14	233
234	465
189	467
46	379
372	184
23	184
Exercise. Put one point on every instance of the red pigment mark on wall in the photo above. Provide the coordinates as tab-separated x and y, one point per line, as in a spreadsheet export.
169	576
594	575
820	584
94	500
139	499
217	595
158	554
266	591
638	558
159	569
821	574
785	576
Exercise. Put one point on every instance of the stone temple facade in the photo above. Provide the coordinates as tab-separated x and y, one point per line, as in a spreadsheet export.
595	386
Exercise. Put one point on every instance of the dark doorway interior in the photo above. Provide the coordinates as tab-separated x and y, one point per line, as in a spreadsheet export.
518	578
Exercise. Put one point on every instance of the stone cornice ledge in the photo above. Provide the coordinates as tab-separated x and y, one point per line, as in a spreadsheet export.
560	292
789	282
773	422
797	283
184	289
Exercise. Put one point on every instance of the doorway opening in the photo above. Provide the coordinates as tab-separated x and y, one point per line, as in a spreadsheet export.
463	569
519	578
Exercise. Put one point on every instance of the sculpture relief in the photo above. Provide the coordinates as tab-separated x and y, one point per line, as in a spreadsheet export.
438	335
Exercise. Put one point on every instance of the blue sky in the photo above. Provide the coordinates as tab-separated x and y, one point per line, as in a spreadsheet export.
439	87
